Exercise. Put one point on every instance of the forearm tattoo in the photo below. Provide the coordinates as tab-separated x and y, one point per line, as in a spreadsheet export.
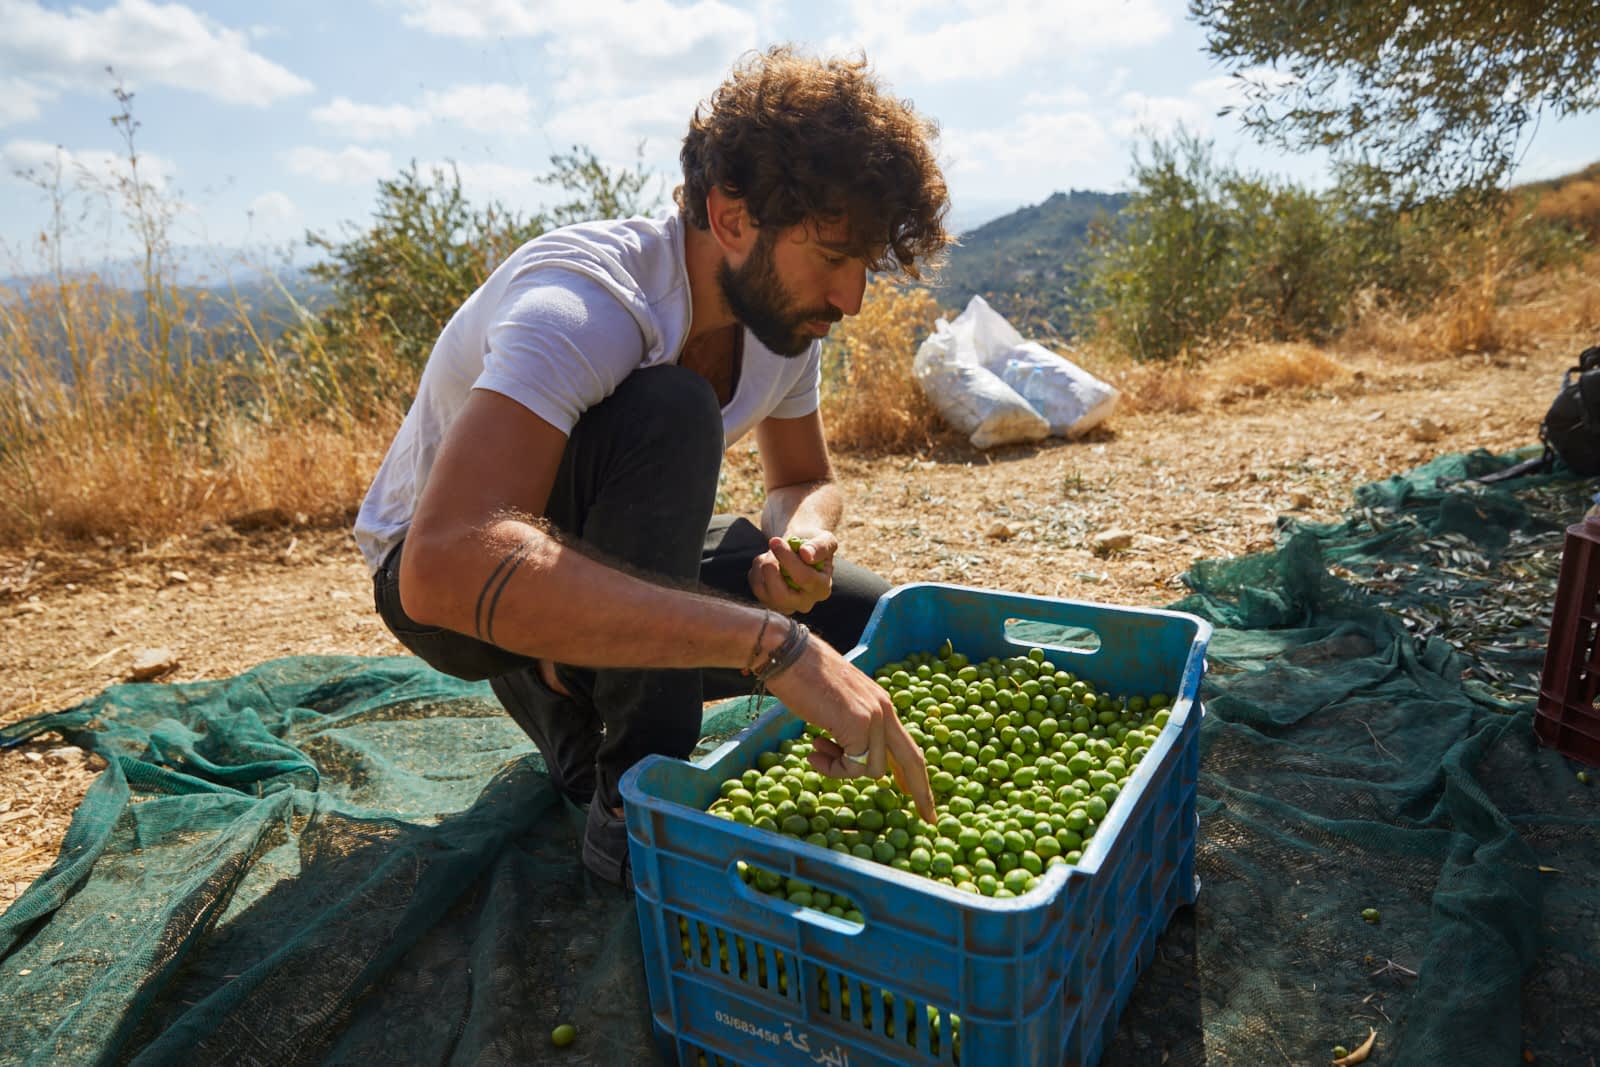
489	595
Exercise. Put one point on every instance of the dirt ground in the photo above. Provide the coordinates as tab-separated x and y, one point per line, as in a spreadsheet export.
1206	484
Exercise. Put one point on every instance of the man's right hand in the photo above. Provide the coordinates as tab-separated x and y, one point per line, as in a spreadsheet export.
824	689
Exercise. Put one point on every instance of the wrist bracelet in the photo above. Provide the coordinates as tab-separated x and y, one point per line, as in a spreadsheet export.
755	649
785	655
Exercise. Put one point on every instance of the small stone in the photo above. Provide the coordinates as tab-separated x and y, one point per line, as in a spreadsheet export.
33	757
1000	532
1426	430
64	754
1108	541
152	663
177	577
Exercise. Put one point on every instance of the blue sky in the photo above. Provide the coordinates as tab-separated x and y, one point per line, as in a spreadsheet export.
260	122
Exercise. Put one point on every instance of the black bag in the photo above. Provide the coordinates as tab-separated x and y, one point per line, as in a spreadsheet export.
1571	428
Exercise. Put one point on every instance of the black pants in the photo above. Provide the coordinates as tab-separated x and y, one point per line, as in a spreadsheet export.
638	484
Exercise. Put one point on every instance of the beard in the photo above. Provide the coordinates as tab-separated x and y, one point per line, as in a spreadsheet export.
758	299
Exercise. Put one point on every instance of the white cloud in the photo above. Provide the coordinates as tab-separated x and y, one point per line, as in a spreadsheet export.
488	108
1160	116
144	42
1034	155
369	122
482	108
1062	99
273	207
613	127
609	43
1216	93
516	187
37	162
348	166
20	100
952	40
1143	115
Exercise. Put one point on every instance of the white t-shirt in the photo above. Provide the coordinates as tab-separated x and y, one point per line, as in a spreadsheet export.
556	326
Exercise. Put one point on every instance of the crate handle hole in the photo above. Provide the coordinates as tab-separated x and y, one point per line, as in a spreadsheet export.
814	903
1073	640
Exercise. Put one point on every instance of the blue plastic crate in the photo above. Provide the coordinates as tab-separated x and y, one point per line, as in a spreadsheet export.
1038	979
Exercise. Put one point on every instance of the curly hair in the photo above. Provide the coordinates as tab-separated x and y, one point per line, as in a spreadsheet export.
807	140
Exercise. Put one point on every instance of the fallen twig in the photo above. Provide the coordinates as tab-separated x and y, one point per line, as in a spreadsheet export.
1391	967
1375	741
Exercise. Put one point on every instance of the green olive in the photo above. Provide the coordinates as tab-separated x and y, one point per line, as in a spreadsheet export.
1022	780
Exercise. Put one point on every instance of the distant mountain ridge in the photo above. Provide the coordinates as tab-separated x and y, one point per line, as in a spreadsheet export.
1028	264
216	320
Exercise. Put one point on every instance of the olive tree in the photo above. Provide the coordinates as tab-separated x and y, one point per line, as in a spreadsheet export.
1419	99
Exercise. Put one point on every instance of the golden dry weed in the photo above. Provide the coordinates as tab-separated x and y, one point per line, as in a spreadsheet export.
1246	370
1573	201
871	402
119	418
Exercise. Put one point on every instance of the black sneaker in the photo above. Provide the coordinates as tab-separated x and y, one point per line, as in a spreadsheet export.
605	846
566	730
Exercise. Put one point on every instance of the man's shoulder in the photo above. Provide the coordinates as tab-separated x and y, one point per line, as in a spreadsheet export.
637	262
640	260
626	243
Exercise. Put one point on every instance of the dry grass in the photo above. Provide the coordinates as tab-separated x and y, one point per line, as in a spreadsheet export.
1563	302
1492	311
1243	371
123	486
1573	201
1468	320
1253	370
122	419
871	401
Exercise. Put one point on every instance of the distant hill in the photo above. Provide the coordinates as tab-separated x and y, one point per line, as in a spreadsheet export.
220	319
1028	264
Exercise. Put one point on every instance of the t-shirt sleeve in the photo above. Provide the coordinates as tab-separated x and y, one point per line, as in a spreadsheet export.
558	344
805	393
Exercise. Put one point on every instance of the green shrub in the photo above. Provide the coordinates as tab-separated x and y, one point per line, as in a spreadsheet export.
426	248
1205	254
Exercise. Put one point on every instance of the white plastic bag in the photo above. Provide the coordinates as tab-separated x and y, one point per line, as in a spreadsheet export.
1072	400
969	396
1020	374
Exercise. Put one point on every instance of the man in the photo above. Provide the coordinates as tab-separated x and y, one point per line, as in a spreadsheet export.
543	518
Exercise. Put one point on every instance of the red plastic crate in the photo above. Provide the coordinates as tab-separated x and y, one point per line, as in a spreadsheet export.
1567	718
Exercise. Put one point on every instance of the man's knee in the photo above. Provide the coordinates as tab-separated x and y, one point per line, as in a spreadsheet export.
675	411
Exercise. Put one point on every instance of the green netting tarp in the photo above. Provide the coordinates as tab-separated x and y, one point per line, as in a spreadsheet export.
333	860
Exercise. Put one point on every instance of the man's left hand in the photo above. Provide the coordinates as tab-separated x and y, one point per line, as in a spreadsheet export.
809	570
